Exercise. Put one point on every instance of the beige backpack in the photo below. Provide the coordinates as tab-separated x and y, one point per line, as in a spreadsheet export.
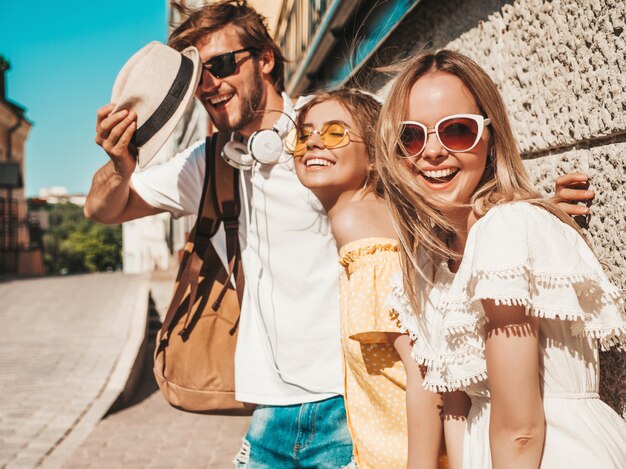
194	356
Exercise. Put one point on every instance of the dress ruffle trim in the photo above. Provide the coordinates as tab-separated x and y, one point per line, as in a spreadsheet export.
453	384
596	307
601	318
518	254
399	302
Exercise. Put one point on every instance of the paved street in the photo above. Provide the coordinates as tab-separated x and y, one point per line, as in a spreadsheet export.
151	434
67	346
67	349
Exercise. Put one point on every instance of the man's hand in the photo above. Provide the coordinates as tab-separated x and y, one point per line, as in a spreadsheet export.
111	198
113	134
571	189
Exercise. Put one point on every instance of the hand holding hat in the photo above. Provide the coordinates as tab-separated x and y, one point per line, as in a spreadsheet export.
157	84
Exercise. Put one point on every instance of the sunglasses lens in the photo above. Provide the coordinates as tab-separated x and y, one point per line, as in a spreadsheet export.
290	140
222	65
412	139
458	133
299	139
333	135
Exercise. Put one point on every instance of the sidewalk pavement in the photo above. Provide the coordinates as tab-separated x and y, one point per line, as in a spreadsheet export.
151	434
68	345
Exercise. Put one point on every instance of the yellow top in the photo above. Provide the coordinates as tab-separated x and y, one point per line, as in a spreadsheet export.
375	379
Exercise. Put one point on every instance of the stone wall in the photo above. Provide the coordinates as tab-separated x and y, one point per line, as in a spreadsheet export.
561	67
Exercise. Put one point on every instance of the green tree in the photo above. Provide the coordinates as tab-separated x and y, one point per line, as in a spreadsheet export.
74	244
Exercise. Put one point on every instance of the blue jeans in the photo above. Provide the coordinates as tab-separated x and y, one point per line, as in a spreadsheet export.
311	435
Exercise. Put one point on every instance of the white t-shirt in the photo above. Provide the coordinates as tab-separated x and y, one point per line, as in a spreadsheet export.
288	349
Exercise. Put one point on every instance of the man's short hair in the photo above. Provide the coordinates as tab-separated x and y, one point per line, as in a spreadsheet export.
251	26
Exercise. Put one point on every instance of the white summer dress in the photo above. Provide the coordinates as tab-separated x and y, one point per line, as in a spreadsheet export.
520	254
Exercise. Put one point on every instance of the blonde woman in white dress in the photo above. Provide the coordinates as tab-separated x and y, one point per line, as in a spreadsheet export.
511	303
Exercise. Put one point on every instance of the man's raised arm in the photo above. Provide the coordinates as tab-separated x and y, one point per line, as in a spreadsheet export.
572	189
111	198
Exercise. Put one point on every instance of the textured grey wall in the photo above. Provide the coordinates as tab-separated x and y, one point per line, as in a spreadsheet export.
560	66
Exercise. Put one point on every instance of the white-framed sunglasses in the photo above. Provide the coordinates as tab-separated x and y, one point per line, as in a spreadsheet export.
456	133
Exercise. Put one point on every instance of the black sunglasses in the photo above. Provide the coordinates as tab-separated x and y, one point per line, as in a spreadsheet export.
224	65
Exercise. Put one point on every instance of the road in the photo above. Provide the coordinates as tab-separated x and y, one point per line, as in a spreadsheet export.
66	344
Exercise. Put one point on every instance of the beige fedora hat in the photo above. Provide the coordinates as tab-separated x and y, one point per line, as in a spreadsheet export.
158	83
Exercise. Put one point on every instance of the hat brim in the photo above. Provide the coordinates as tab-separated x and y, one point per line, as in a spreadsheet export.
148	151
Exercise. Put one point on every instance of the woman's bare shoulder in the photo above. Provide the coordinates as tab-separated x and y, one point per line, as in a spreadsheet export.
363	219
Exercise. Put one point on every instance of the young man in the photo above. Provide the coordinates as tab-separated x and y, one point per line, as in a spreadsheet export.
288	357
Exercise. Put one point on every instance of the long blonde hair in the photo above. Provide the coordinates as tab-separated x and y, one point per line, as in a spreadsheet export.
419	220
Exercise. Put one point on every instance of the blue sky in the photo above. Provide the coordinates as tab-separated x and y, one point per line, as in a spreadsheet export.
64	58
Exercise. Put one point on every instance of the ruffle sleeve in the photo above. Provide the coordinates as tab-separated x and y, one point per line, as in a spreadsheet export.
423	328
398	301
369	265
520	254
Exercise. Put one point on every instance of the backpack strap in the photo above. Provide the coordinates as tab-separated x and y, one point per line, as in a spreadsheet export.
221	186
227	206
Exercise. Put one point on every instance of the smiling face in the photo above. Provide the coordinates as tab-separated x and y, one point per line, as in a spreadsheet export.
234	102
451	176
330	172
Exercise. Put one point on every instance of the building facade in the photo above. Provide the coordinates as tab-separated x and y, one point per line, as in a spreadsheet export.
19	251
559	66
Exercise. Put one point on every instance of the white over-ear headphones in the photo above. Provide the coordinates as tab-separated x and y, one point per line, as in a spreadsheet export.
264	146
236	154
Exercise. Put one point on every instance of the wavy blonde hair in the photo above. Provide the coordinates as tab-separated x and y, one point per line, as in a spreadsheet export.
423	228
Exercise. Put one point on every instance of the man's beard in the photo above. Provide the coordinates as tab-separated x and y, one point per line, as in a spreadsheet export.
250	104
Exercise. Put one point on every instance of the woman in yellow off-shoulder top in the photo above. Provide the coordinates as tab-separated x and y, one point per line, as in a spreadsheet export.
334	158
375	378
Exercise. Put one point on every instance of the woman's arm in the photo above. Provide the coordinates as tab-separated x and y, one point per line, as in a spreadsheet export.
456	406
517	422
423	410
